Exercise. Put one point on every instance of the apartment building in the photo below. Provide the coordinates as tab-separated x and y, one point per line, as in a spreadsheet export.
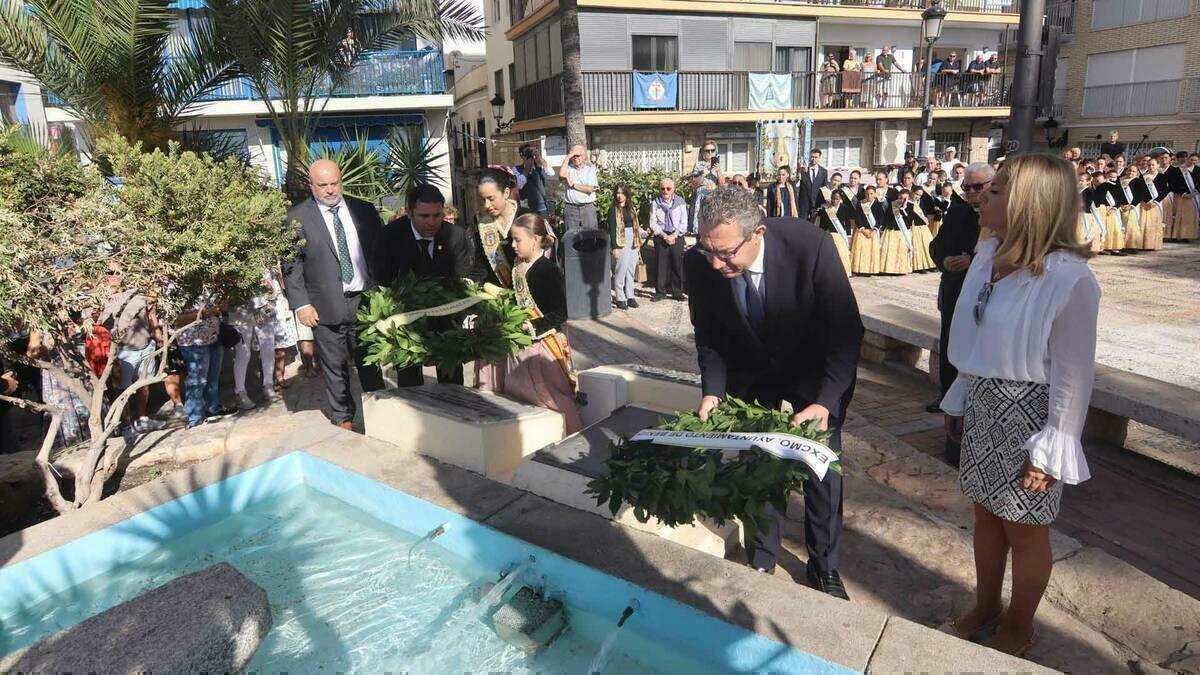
405	87
712	58
1131	66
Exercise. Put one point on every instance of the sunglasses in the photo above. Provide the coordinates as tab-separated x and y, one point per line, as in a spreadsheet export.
112	273
976	187
723	256
710	149
981	302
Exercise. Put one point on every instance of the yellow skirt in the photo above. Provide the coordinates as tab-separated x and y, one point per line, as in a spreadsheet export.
921	238
1152	228
935	224
1187	220
864	252
894	256
842	249
1131	220
1114	236
1168	205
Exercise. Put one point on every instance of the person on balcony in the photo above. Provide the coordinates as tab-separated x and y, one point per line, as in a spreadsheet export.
975	81
579	209
829	81
885	65
852	79
946	82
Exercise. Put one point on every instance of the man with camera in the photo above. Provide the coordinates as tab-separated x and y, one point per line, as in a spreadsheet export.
536	171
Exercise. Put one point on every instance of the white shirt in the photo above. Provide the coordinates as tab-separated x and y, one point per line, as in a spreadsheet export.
756	273
581	175
1034	329
357	259
425	243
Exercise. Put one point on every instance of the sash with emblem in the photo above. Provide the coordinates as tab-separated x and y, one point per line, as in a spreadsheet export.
492	233
552	340
902	223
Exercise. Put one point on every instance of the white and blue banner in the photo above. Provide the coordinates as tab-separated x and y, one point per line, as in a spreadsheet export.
655	90
770	91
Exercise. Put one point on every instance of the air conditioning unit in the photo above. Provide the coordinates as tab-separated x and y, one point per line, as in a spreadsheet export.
891	140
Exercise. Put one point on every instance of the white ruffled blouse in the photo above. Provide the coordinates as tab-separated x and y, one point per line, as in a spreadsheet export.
1033	329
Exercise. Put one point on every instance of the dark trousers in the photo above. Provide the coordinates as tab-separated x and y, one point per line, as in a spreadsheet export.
947	298
822	520
413	377
669	261
338	347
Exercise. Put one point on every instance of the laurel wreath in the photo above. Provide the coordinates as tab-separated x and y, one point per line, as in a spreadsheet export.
490	330
677	485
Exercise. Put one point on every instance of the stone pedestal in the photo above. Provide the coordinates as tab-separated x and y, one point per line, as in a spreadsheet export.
879	348
1105	427
478	431
607	388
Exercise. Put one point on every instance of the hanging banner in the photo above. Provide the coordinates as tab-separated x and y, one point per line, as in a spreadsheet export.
808	139
770	91
655	90
818	457
779	144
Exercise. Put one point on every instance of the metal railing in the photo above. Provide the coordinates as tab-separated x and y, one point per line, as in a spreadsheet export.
1057	107
384	73
612	92
1061	15
977	6
1132	100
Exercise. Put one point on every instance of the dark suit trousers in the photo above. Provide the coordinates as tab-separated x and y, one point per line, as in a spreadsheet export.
947	299
338	347
822	520
412	376
669	261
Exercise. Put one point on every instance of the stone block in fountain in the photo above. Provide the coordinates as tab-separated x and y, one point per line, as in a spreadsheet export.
528	621
475	430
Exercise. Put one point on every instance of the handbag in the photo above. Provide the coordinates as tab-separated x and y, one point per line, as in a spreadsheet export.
228	336
640	275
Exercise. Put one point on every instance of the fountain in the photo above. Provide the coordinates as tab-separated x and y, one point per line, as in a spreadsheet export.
429	536
601	658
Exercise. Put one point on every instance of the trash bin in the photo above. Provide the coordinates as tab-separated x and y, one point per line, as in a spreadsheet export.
587	271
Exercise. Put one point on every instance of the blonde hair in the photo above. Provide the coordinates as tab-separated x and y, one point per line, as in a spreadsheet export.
1042	212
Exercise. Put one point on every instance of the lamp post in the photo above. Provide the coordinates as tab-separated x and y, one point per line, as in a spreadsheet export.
931	29
498	113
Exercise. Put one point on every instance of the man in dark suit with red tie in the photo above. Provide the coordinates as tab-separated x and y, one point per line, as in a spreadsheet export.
776	320
421	242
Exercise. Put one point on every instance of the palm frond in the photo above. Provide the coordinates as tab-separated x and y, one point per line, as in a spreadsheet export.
412	160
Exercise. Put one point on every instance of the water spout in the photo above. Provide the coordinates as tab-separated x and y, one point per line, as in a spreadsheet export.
429	536
629	610
601	658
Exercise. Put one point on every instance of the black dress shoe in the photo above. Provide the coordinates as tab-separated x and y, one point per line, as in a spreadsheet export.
620	304
829	584
657	297
934	407
633	304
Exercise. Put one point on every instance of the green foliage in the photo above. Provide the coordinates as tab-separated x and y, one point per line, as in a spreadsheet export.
107	62
411	161
364	174
678	485
495	333
643	186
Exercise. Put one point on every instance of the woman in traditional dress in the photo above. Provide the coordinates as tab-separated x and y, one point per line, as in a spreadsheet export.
1182	179
625	236
1093	221
1127	204
922	235
493	249
1149	202
851	193
1104	206
896	244
1024	342
781	196
829	218
541	374
864	245
1162	161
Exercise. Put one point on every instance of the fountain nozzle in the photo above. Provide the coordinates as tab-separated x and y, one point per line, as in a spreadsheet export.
629	610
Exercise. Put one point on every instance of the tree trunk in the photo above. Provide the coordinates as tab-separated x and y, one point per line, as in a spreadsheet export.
572	75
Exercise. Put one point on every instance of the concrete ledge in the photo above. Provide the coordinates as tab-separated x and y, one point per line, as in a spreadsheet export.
208	621
610	387
905	647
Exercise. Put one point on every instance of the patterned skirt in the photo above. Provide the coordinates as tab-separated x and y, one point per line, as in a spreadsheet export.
1000	416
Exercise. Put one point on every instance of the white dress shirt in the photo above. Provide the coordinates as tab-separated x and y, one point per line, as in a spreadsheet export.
358	258
426	243
1034	329
756	273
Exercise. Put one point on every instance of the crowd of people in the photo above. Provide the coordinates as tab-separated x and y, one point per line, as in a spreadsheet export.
880	81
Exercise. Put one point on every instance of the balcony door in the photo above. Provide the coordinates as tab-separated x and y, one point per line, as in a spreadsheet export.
655	53
793	59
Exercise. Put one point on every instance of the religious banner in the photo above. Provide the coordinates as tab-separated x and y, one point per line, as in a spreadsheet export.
779	145
655	90
770	91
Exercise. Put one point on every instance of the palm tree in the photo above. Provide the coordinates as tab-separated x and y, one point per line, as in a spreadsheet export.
294	52
572	75
115	64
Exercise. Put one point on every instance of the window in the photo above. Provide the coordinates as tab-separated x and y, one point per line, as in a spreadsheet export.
1134	82
496	11
754	57
498	83
736	155
481	132
793	59
655	53
1113	13
840	153
512	79
536	56
950	140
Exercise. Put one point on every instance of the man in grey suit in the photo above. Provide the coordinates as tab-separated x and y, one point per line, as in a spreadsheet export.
326	280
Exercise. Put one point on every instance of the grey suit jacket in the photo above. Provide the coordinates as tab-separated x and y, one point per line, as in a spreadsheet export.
314	275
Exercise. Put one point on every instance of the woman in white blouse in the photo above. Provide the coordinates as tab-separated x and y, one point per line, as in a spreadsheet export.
1024	342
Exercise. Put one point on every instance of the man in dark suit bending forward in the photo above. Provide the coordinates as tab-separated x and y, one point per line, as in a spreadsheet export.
776	320
326	280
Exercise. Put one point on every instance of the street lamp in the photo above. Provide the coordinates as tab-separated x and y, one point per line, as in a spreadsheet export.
931	29
498	112
1053	139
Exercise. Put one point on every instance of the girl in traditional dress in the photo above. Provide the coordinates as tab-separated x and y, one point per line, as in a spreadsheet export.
1093	221
864	245
850	197
626	237
541	374
1024	342
1149	204
896	244
1127	205
829	218
835	185
1182	179
1113	235
493	250
1162	161
922	234
781	196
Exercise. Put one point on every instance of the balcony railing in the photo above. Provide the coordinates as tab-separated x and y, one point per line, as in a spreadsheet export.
1133	100
385	73
978	6
1057	107
1061	15
612	92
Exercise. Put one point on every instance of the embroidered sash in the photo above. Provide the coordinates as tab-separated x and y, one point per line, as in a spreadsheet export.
902	223
553	340
1099	221
827	194
1191	186
492	232
831	213
791	200
958	189
1133	212
868	213
919	213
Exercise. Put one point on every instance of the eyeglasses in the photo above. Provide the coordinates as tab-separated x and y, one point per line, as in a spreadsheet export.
976	187
710	149
666	189
723	256
981	302
112	273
